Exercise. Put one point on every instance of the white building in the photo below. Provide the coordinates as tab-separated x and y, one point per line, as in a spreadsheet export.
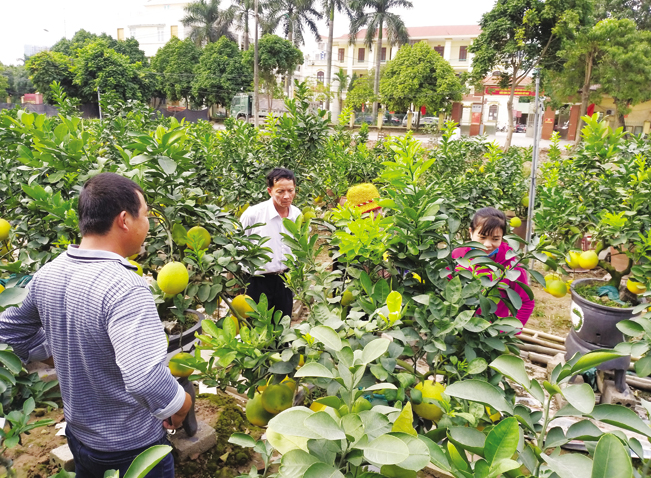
154	24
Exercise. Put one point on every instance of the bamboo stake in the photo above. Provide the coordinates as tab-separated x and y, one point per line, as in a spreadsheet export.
543	335
551	345
539	349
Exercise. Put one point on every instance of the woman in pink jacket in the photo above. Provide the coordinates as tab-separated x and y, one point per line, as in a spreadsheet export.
488	227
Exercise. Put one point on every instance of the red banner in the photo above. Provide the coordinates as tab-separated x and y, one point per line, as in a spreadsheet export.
496	90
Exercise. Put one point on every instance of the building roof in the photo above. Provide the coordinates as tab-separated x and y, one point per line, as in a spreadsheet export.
433	31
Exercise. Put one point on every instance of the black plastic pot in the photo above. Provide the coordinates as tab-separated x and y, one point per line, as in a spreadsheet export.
180	341
594	326
596	323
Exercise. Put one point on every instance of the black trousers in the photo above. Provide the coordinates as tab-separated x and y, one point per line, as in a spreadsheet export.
273	287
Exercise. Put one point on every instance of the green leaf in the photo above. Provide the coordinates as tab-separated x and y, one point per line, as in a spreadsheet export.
584	430
468	438
12	296
437	456
572	465
621	417
141	158
580	397
512	367
326	426
242	439
295	463
391	471
374	349
481	392
394	302
10	360
452	292
477	365
179	235
313	369
502	441
419	455
292	422
322	470
588	361
643	366
147	460
386	450
404	422
327	336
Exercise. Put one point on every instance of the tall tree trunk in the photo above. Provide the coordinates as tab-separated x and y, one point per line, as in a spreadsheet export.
378	56
331	31
246	31
509	107
290	37
585	93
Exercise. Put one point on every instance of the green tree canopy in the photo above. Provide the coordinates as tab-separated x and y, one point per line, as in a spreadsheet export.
129	47
637	10
419	75
517	36
48	66
176	61
276	57
220	74
4	84
18	80
99	66
208	22
361	93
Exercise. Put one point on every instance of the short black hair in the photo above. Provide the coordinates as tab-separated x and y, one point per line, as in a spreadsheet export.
279	173
488	219
103	198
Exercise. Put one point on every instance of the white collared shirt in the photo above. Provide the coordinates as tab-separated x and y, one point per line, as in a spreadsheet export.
266	213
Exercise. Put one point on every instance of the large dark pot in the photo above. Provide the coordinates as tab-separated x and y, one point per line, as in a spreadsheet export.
180	341
594	326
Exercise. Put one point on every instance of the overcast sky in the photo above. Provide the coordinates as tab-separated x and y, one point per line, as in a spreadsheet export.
43	22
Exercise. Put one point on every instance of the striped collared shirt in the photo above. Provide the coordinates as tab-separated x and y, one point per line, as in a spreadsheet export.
98	320
266	213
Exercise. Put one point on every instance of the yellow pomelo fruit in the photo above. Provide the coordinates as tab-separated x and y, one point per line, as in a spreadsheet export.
429	411
516	222
557	288
173	278
347	298
2	288
176	369
572	259
201	232
4	249
240	305
255	412
588	260
551	277
277	398
289	382
317	407
133	256
635	287
569	283
134	263
525	201
4	229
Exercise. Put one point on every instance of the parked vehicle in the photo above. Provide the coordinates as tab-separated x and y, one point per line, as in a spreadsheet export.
520	128
423	121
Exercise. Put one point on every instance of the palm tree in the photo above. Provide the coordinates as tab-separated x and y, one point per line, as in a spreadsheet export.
208	22
295	17
375	20
244	10
342	78
329	7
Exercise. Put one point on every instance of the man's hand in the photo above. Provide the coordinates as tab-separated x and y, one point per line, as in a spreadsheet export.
176	420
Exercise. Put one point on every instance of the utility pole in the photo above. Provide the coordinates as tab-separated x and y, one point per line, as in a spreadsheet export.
256	96
534	160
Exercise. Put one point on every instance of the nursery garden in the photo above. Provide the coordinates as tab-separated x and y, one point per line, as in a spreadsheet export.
395	362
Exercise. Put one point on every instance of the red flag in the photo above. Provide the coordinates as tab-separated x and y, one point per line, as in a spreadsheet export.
590	111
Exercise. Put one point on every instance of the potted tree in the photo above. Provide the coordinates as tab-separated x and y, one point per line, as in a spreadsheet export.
600	191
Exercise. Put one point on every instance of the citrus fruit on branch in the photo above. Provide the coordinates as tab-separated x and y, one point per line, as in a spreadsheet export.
429	411
173	278
255	412
199	232
177	369
588	260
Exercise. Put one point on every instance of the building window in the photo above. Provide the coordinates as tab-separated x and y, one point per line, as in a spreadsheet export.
166	7
439	49
341	55
492	113
463	53
321	46
320	77
174	31
360	55
160	35
132	32
120	33
383	54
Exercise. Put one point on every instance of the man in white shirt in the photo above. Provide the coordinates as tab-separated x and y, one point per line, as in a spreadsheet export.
281	186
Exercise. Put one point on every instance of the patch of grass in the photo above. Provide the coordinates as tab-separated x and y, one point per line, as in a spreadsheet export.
589	292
